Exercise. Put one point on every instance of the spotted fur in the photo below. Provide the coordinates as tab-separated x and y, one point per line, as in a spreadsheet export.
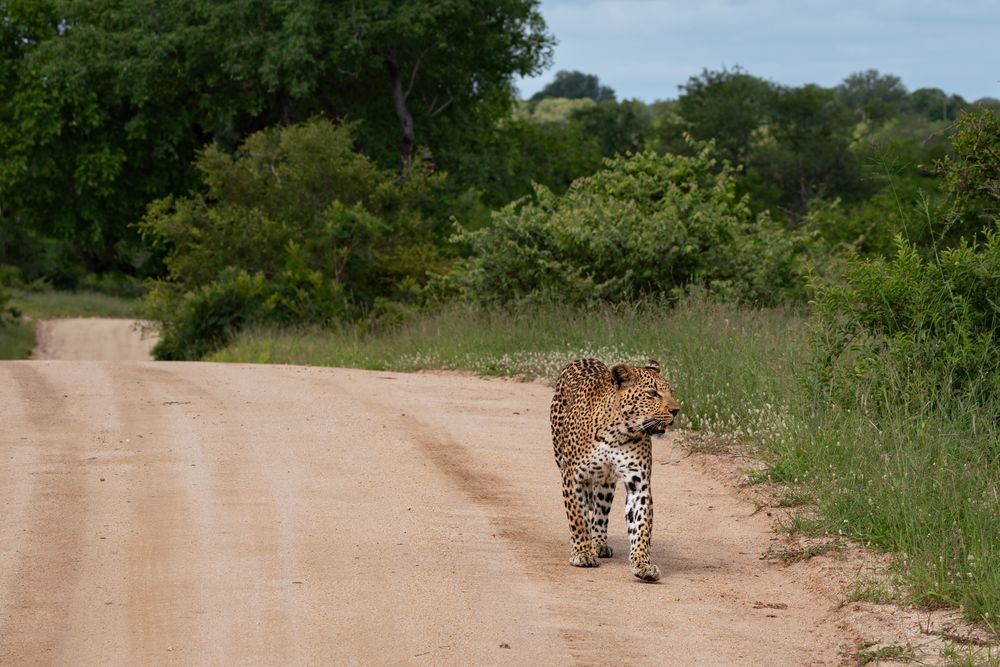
602	420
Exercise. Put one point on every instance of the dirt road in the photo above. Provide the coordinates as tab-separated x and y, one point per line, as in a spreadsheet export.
208	514
92	339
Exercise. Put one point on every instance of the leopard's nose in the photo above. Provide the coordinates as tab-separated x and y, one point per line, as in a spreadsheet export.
674	411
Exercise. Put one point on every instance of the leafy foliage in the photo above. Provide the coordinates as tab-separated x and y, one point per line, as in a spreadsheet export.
793	143
575	85
104	104
972	174
521	153
645	224
619	127
872	95
727	106
920	327
8	313
934	104
295	227
926	328
806	151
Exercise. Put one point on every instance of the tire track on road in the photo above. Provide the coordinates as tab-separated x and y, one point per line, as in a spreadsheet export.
585	627
39	584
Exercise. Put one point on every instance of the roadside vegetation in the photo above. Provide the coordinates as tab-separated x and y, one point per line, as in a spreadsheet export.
17	337
47	303
21	305
818	268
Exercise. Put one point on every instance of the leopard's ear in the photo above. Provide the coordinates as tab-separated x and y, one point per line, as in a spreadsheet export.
621	375
653	365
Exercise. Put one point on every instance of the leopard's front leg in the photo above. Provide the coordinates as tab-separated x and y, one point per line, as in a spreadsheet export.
639	516
575	498
600	497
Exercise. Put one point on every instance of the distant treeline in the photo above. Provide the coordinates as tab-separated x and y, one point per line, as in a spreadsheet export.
859	151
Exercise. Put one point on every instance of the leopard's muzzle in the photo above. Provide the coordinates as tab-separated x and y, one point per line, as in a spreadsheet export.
658	425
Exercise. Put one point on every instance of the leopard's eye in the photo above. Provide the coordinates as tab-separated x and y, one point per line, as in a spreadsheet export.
652	393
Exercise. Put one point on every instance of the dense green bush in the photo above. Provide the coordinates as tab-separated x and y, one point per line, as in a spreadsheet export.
644	225
295	227
8	313
972	173
921	326
914	329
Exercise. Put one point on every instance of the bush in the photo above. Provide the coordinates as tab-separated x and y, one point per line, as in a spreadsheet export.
295	227
644	225
915	329
921	327
972	174
8	313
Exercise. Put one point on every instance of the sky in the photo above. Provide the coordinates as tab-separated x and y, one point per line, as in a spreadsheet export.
645	49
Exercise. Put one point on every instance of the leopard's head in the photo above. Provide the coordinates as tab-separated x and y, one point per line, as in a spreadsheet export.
644	393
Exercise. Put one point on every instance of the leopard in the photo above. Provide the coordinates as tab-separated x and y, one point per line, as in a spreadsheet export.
603	421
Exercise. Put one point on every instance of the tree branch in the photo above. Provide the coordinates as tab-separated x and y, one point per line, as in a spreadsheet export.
413	76
403	114
432	112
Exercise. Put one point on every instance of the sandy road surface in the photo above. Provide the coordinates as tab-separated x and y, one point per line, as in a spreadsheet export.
92	338
205	514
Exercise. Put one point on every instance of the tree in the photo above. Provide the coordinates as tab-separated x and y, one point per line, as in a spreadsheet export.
575	85
728	106
935	104
114	100
873	96
551	109
988	103
806	152
522	153
294	227
619	127
972	174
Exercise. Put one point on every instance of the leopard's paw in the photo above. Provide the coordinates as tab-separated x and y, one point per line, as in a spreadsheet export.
585	559
645	571
604	551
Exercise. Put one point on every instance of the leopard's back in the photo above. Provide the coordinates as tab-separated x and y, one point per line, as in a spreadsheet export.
581	392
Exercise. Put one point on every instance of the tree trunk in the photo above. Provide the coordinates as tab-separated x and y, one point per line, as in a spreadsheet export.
399	103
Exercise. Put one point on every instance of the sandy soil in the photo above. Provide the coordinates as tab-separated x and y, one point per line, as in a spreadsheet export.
92	339
209	514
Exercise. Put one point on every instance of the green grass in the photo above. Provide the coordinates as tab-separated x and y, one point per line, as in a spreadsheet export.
17	339
50	303
969	656
924	484
867	655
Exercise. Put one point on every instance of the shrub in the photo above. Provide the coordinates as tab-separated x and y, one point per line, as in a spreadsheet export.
8	313
921	327
644	225
294	227
972	174
915	329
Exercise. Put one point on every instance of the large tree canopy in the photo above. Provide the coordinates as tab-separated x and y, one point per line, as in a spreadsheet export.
105	102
